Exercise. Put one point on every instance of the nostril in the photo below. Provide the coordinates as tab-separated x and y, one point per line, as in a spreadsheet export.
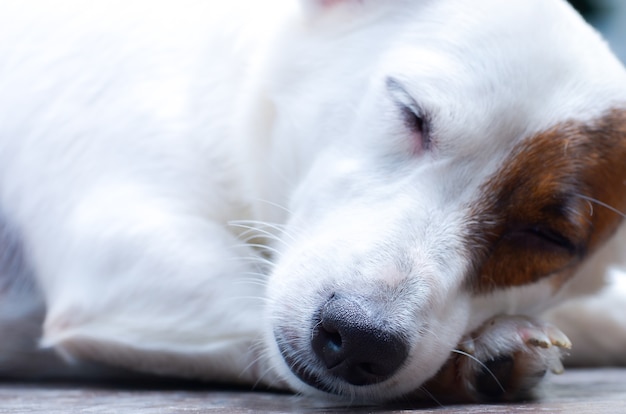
327	344
334	341
355	346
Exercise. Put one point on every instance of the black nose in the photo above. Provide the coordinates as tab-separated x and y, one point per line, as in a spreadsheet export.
354	344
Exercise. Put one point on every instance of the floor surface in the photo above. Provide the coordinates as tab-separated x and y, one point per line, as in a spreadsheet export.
576	391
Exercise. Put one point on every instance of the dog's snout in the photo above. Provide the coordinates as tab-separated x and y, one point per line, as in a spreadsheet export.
354	344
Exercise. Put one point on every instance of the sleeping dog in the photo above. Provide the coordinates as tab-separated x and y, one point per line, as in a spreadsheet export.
360	198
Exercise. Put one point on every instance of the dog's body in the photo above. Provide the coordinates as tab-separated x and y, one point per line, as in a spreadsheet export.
423	177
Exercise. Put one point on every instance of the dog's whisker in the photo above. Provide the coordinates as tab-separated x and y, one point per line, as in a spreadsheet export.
261	236
251	282
424	330
485	367
249	228
251	233
262	226
259	276
254	234
265	252
253	259
276	252
274	204
600	203
258	225
257	349
263	354
431	396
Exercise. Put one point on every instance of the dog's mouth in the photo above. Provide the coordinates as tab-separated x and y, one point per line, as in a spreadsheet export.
349	344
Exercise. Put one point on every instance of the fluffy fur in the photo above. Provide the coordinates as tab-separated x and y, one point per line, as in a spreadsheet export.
187	187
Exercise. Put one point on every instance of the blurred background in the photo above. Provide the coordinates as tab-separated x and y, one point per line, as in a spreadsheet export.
609	17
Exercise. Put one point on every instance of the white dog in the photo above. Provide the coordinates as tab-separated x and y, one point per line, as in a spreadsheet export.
354	197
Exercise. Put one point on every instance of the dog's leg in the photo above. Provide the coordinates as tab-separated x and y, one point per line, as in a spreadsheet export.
595	319
501	361
139	284
22	311
596	324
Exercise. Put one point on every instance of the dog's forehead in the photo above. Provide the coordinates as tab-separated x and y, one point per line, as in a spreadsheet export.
496	72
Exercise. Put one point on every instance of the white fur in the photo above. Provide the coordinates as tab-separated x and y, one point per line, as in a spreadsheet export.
132	133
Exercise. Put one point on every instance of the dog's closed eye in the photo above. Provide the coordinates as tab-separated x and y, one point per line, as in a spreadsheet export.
544	239
415	122
413	115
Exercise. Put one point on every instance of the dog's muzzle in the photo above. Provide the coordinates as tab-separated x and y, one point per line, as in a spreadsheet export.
350	341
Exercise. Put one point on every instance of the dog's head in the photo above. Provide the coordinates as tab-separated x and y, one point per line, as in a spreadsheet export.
449	160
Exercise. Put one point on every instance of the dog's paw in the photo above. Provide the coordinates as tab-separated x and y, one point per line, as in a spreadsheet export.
501	361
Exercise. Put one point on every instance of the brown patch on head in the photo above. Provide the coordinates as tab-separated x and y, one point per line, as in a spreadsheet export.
548	208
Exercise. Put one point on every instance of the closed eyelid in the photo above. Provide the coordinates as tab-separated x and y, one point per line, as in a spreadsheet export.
413	114
402	98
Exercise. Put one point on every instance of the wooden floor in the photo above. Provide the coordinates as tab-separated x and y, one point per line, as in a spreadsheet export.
576	391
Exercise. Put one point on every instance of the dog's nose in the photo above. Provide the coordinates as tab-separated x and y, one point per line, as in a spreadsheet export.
354	344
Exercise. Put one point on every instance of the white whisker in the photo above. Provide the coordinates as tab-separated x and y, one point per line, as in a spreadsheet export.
252	282
260	275
600	203
431	396
261	226
252	232
273	204
264	247
473	358
253	259
251	236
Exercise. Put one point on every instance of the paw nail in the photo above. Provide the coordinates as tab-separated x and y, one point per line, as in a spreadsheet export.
557	368
540	342
559	339
536	338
